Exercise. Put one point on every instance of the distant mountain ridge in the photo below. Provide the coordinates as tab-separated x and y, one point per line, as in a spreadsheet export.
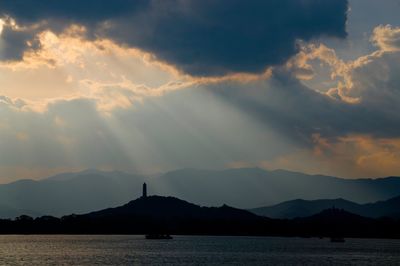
71	193
244	188
250	187
304	208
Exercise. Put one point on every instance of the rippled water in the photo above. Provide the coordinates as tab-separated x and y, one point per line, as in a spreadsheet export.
198	250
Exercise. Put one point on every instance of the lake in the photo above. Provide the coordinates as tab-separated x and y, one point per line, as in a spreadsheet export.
189	250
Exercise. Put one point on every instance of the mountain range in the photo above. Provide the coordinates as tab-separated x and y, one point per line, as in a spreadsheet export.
244	188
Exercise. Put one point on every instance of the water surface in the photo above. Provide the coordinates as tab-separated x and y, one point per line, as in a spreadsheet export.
197	250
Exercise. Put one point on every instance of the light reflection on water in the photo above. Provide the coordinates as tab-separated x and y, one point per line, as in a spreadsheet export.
198	250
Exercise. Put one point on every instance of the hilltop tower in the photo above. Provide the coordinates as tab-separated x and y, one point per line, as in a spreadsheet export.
144	195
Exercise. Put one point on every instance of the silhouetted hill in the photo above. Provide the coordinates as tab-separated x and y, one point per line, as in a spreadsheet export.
304	208
167	214
389	208
161	215
171	207
243	188
335	216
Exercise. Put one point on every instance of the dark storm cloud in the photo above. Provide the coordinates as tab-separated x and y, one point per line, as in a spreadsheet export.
297	112
31	11
199	37
13	43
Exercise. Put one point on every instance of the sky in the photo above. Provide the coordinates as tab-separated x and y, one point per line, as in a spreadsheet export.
150	86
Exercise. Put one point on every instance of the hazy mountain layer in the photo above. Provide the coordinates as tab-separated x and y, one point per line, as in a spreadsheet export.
242	188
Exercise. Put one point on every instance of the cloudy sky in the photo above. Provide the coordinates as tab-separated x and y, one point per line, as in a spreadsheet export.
149	86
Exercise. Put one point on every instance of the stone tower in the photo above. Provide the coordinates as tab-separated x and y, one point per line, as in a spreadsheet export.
144	195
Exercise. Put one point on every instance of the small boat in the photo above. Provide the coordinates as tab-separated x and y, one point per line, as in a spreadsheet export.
158	236
337	239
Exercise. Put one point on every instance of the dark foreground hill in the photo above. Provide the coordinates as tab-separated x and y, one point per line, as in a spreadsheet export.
304	208
243	188
147	214
170	215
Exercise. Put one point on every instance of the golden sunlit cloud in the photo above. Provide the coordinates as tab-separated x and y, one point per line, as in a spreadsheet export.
385	38
114	75
2	23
